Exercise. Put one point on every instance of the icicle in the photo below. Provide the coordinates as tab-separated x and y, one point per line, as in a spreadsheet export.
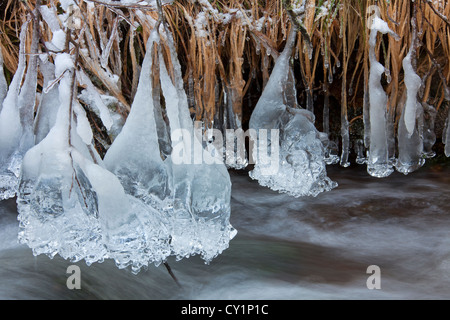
366	113
98	105
410	147
191	96
446	136
49	103
202	190
413	83
140	169
378	164
429	136
344	134
387	72
27	98
410	134
196	217
391	138
71	206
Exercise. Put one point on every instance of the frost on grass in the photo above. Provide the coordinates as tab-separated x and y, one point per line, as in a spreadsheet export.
70	205
299	168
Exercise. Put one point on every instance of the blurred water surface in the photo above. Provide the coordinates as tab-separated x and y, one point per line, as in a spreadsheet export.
286	248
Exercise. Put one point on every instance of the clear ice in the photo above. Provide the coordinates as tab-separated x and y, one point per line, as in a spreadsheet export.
300	169
70	205
47	109
141	204
194	198
411	124
12	143
446	136
378	163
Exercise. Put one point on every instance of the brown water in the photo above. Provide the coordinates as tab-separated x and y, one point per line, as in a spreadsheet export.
286	248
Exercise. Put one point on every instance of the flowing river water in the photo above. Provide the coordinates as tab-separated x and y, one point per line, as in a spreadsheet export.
286	248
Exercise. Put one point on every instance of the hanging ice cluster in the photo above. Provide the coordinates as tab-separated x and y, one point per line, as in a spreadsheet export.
138	206
300	169
379	163
415	135
411	124
151	197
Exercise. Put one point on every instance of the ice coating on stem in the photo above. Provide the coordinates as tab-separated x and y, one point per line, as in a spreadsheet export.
50	17
294	142
11	129
378	163
446	136
49	103
410	147
429	135
72	206
208	185
49	199
97	102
